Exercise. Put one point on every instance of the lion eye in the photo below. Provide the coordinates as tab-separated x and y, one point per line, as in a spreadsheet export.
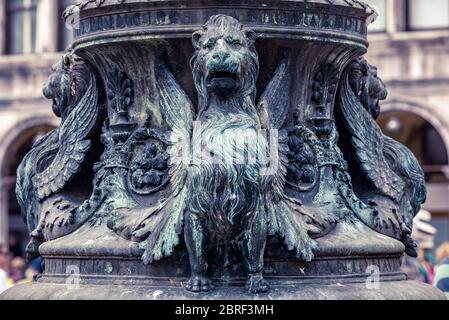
233	42
209	44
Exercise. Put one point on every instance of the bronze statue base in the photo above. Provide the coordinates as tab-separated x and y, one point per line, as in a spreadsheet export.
390	290
109	267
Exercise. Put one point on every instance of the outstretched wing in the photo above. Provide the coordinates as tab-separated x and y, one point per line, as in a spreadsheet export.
44	148
294	222
160	226
73	145
275	100
368	142
288	218
291	226
175	105
273	109
157	227
177	111
162	234
165	236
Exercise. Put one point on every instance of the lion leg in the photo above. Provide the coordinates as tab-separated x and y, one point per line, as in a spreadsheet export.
253	244
196	242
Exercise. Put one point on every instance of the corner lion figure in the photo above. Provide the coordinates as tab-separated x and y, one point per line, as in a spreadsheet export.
47	180
223	191
396	186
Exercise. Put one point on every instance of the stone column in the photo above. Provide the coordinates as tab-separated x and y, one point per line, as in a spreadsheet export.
47	26
2	26
396	16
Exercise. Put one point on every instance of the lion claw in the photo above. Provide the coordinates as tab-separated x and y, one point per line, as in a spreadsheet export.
199	284
257	284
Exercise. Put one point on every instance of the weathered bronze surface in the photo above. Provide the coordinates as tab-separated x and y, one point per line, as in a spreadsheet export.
212	150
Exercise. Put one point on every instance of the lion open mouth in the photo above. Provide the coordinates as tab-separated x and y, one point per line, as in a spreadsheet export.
223	75
223	83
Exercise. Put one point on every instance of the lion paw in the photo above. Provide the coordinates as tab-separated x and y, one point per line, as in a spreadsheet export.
257	284
199	284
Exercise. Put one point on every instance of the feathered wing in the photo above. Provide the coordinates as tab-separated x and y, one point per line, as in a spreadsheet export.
160	227
390	166
298	225
44	148
175	105
288	218
275	100
165	236
368	142
73	145
273	107
403	161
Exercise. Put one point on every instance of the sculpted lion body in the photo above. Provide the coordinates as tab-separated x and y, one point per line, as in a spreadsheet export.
225	69
225	181
391	179
49	172
225	186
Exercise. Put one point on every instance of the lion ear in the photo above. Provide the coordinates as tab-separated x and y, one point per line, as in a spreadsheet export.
250	36
196	39
66	60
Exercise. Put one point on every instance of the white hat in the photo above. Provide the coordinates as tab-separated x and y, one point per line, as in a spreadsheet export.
424	233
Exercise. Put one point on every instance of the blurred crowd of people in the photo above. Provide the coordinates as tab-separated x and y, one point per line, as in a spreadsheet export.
431	268
15	270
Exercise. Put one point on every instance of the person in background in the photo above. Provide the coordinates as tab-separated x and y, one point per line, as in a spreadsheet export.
17	272
36	264
29	275
15	247
442	270
422	269
33	270
5	282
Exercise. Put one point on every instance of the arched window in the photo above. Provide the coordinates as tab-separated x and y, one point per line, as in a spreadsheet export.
420	137
17	231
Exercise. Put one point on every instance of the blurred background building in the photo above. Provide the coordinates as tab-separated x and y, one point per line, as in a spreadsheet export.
409	45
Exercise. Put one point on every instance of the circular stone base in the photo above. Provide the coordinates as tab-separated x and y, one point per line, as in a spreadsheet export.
85	266
392	290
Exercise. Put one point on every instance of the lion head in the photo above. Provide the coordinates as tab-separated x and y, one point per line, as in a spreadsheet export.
225	62
67	83
367	85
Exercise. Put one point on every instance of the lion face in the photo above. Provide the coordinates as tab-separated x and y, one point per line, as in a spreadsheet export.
225	61
368	86
66	84
57	87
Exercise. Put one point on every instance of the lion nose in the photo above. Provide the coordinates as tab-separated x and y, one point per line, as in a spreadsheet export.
221	52
48	92
220	56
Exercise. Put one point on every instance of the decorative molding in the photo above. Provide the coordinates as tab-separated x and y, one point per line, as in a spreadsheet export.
262	18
